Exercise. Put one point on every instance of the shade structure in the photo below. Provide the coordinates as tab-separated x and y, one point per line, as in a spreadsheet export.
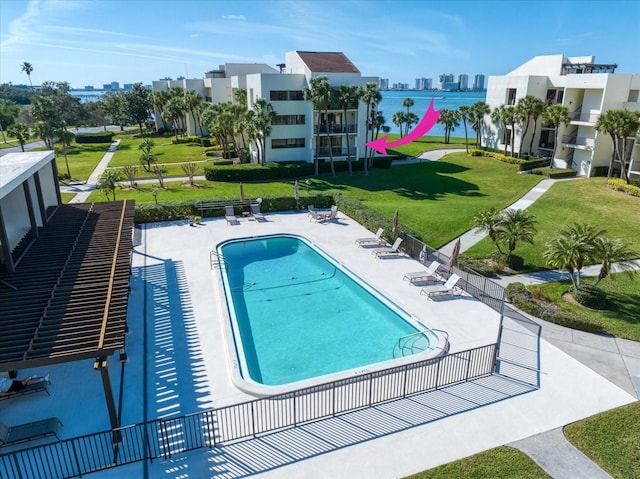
453	259
241	192
395	224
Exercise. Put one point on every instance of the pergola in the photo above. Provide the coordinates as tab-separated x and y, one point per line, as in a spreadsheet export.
66	299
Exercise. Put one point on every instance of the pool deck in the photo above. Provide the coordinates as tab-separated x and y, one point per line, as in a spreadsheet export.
178	363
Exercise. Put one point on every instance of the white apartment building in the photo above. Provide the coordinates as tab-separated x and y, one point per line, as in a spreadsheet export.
587	89
293	131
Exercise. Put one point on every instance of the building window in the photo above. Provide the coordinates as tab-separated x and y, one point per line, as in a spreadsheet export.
511	96
288	120
286	95
277	143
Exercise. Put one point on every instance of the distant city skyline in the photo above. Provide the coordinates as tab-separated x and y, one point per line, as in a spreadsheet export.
93	42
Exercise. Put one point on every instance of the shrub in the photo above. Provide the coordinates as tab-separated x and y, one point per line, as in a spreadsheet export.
571	320
590	297
476	152
554	172
223	162
503	158
621	185
98	137
478	266
186	139
515	289
205	142
531	164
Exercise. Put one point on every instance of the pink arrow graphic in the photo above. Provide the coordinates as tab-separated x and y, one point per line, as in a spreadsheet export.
428	120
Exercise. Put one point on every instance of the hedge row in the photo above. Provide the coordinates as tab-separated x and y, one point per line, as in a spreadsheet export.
500	157
186	139
277	171
521	298
537	163
621	185
99	137
554	172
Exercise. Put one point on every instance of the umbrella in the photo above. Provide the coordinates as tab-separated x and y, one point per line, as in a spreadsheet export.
395	224
423	253
296	193
453	260
241	192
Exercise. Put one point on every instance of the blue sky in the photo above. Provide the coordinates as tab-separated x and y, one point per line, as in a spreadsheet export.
88	42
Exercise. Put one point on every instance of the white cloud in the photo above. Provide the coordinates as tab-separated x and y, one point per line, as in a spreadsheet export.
234	17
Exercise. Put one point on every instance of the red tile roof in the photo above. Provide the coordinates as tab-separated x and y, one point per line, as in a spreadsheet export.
328	62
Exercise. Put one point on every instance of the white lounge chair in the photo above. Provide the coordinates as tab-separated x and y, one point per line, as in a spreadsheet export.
255	212
447	288
230	215
428	275
372	240
333	214
388	251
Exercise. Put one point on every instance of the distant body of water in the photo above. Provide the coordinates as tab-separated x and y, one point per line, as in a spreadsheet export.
451	100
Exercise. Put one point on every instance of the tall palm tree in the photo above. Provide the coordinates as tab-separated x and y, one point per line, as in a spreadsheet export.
65	137
20	132
319	93
487	221
557	115
371	96
465	112
524	109
510	117
173	111
264	116
410	119
516	225
480	109
448	118
536	110
619	124
407	103
398	119
28	69
192	101
240	96
347	98
160	99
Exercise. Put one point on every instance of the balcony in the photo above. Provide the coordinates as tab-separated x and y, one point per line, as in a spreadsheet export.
337	151
580	117
579	142
336	129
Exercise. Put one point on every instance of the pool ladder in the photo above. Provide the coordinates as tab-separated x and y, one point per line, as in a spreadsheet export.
216	261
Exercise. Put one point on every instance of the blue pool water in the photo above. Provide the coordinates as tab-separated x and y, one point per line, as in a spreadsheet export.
299	315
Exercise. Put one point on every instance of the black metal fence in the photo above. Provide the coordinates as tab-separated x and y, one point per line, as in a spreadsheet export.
164	438
478	286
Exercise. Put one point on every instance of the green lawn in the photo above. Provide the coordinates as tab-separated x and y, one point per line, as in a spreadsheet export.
83	159
611	439
499	463
426	143
622	319
567	202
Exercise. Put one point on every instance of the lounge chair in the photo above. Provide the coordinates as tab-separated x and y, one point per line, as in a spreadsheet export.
10	435
420	276
255	212
372	240
389	250
447	288
28	389
230	215
333	214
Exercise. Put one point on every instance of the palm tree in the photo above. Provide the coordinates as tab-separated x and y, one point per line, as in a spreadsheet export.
146	145
192	101
20	132
465	112
611	251
407	103
398	119
448	118
318	93
525	108
516	225
510	117
410	119
537	108
264	116
28	69
65	137
620	124
574	247
173	112
556	114
347	98
240	97
480	109
487	221
108	181
160	99
370	95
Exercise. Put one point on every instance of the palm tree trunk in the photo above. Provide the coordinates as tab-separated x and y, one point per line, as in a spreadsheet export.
533	135
622	157
317	160
466	136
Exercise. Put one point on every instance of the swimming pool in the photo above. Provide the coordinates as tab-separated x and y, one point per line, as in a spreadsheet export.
298	316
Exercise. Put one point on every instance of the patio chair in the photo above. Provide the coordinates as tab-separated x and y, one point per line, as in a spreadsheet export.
333	214
10	435
439	289
230	215
372	240
316	216
420	276
29	389
255	212
389	250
